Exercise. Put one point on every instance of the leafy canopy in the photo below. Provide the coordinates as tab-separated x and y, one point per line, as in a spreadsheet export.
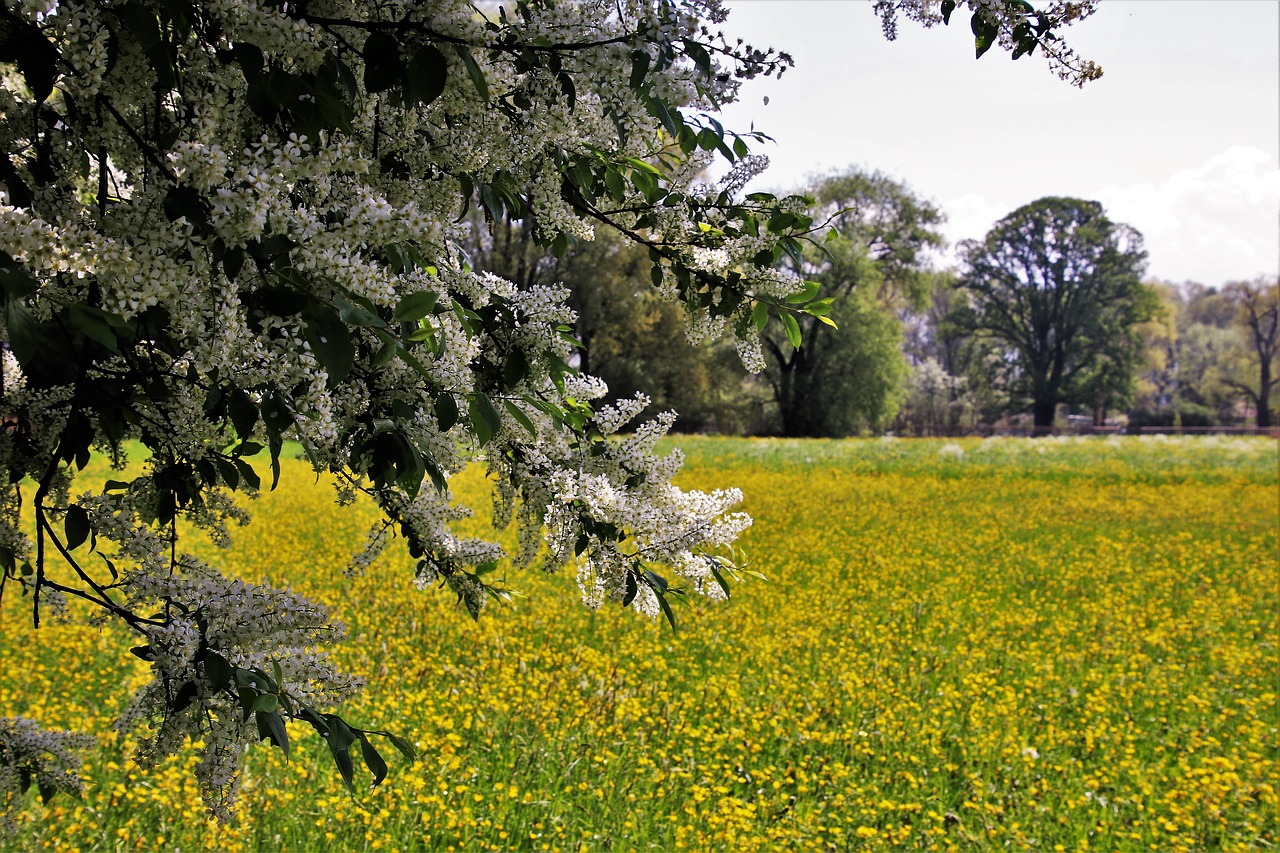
230	224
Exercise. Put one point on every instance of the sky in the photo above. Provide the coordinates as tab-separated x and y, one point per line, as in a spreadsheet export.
1180	138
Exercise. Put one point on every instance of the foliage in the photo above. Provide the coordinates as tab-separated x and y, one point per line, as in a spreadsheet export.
628	336
1083	626
1014	25
1058	286
848	375
1258	319
1210	355
230	224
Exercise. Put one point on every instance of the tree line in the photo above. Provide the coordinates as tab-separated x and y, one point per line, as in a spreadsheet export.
1046	320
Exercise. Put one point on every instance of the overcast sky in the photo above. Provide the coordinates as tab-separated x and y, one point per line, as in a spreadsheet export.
1180	138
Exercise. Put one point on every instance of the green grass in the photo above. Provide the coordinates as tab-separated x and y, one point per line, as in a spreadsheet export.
969	644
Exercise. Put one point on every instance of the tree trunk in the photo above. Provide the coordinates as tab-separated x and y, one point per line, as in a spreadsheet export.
1043	411
1264	395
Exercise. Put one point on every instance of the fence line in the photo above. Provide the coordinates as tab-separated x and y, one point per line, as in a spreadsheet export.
988	430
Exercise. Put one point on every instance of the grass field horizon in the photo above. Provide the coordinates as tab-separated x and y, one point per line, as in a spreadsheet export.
1053	643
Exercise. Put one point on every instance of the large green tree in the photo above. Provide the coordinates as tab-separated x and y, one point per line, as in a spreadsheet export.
848	374
1059	286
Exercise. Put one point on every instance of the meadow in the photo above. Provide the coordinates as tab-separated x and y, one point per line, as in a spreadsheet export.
1059	644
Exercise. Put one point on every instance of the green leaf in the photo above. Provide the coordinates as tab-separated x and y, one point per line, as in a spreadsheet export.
243	411
631	589
406	749
760	315
521	418
330	340
446	409
266	703
415	306
271	727
76	525
374	761
382	67
95	325
948	6
984	33
485	420
807	292
473	71
614	181
639	68
216	669
791	327
426	75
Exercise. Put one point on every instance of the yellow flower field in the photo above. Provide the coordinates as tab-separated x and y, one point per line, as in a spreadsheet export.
1059	644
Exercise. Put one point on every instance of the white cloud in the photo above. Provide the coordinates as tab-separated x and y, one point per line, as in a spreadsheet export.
1213	223
970	217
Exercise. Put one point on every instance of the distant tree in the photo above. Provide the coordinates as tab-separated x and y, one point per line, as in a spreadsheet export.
631	338
1059	286
843	381
1258	318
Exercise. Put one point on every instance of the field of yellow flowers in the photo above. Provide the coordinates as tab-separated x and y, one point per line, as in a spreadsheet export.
1051	643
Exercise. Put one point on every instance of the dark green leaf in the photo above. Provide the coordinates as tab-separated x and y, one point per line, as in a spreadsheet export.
276	413
185	696
406	748
446	409
76	524
521	418
271	727
36	56
985	31
330	340
666	608
243	411
248	475
14	279
377	766
426	75
415	306
216	669
474	71
382	66
485	420
639	68
94	324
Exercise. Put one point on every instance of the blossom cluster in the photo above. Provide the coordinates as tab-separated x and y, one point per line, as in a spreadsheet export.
251	237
